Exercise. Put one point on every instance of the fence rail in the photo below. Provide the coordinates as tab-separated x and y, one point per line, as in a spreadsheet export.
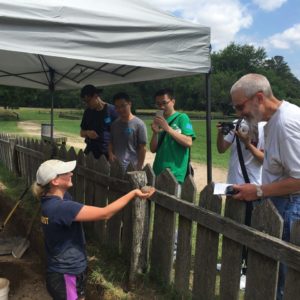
193	274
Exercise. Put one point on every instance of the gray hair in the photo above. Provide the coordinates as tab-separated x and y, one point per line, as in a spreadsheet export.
251	84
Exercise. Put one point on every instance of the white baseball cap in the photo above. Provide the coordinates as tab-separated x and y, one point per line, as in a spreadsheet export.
50	169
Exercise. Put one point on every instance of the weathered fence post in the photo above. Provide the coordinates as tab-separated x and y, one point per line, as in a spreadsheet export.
231	253
184	243
206	249
138	179
262	271
127	219
292	286
163	232
146	234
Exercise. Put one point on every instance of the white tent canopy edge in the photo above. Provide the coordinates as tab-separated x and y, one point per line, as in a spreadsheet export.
64	44
99	42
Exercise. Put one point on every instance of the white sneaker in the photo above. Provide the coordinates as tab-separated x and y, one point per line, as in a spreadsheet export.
243	282
219	267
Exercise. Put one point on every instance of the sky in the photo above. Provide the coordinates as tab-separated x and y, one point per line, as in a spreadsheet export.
272	24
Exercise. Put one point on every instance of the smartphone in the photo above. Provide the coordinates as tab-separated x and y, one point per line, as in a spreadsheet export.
230	191
159	113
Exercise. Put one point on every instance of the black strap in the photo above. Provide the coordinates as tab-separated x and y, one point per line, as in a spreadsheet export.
240	154
249	205
163	134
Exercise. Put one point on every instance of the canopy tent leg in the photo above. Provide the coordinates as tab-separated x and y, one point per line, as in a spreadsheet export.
208	126
51	89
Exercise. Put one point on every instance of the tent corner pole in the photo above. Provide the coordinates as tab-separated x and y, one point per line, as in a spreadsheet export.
51	89
208	126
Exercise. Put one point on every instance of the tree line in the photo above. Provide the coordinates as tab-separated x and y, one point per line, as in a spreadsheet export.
228	65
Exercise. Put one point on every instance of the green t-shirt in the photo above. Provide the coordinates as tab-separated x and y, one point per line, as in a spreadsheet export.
171	154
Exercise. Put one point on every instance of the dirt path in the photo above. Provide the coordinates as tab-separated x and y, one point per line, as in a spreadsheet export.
218	174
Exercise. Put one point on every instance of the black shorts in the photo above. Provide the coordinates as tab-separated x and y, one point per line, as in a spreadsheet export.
66	286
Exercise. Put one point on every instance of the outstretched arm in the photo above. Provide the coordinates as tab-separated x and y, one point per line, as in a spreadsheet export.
93	213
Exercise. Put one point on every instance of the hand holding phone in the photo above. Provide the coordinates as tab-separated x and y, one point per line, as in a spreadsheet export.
159	113
230	191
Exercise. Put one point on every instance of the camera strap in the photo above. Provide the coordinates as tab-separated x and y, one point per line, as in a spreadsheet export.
249	205
240	154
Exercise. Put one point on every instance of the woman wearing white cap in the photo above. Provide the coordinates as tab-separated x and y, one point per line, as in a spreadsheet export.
61	221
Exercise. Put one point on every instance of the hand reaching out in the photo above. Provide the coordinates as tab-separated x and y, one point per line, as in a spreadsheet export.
145	192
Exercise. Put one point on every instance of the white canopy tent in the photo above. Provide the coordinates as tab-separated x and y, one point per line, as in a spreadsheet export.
65	44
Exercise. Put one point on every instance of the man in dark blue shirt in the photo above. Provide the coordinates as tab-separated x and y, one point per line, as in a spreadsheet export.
96	121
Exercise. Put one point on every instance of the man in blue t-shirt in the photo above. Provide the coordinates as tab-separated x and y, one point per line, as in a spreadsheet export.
96	121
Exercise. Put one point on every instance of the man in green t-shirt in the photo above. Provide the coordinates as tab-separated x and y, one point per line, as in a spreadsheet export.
172	137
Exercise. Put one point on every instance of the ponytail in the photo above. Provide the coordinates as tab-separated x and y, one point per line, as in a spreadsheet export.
39	191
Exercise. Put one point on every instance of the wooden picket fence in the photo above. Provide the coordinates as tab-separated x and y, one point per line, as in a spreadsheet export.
144	232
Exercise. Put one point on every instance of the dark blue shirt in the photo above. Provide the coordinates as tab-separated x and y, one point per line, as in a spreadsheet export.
64	238
99	121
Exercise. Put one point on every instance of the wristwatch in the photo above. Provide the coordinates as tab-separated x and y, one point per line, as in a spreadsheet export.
259	191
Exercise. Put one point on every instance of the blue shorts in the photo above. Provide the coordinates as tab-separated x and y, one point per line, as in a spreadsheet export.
66	286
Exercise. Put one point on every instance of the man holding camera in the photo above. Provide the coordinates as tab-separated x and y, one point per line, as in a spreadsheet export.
253	99
245	164
252	145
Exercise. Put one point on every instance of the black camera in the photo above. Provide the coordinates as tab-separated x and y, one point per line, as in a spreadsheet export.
226	127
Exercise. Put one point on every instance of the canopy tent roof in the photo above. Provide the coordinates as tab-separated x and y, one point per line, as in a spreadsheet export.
97	42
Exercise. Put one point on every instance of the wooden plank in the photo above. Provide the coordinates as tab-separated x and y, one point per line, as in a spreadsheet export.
292	286
114	224
231	253
262	271
263	243
80	196
29	152
89	192
206	254
101	193
116	184
71	155
62	153
184	243
163	232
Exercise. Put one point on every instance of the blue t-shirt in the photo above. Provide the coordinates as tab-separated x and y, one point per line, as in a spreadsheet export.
64	238
100	121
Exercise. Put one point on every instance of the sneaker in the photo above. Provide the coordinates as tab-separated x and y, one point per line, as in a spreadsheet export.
219	267
243	282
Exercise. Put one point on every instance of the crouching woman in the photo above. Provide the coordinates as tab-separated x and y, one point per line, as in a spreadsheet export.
61	221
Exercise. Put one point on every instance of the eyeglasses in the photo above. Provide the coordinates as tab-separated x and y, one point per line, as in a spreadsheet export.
241	106
162	103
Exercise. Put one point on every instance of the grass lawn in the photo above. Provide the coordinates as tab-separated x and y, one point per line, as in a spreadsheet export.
40	116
